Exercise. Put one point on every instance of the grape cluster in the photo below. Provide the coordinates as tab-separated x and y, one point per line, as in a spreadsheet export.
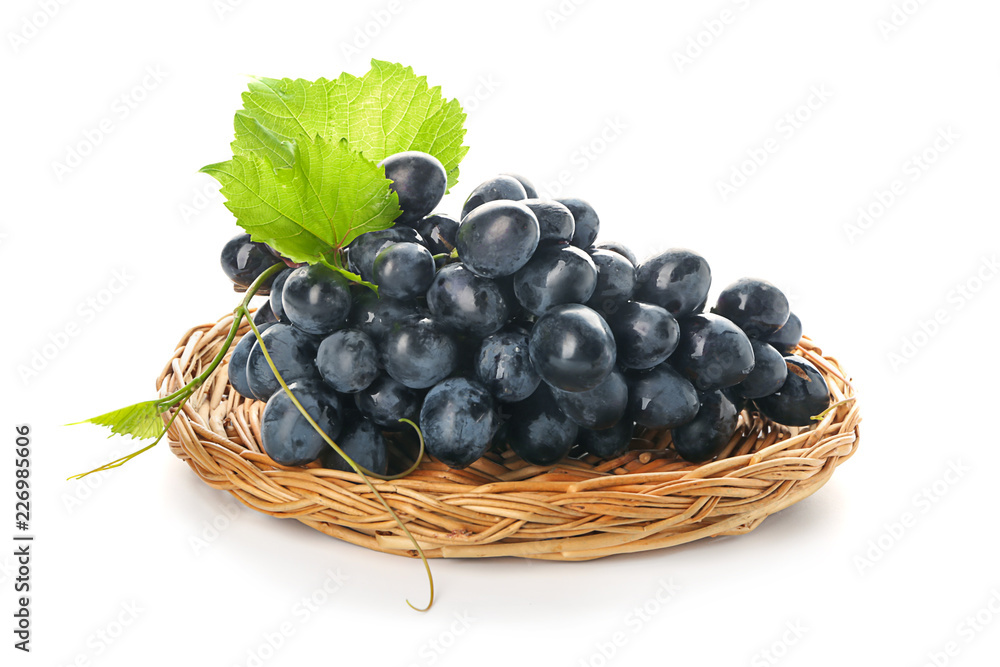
511	328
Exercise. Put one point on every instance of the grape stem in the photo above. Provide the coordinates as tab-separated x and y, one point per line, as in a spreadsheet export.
179	398
350	461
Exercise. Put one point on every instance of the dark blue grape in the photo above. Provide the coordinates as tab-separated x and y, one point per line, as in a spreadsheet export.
529	188
275	297
364	443
347	360
661	398
615	281
787	338
702	438
461	300
620	248
756	306
498	188
386	401
419	180
439	233
457	421
403	271
287	437
374	316
572	348
538	431
264	315
646	334
713	353
504	367
294	355
586	222
362	251
607	443
316	299
555	222
557	274
244	260
238	362
768	374
677	280
419	352
601	407
804	395
497	238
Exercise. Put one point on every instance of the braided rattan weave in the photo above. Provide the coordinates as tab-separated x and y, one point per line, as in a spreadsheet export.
579	509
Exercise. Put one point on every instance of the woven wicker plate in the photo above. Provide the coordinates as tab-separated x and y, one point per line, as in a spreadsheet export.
579	509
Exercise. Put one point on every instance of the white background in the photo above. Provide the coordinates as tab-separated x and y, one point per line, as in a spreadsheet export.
841	568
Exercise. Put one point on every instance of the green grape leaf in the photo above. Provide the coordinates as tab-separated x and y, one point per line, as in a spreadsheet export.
390	109
142	421
253	137
289	107
324	200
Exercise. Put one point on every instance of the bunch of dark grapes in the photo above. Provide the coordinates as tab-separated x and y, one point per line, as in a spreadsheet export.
511	328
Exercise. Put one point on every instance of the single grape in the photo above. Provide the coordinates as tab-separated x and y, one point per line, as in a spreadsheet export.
466	302
737	399
615	281
374	316
347	360
702	438
529	189
288	438
804	395
646	334
677	280
538	431
713	353
238	362
386	401
364	443
419	180
504	367
264	315
275	297
586	222
756	306
620	248
787	338
609	443
316	299
243	260
572	348
557	274
768	374
438	232
293	352
661	398
419	352
362	251
403	271
498	188
599	408
457	421
498	238
555	222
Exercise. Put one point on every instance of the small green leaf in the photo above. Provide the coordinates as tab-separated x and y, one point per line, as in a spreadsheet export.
328	197
142	421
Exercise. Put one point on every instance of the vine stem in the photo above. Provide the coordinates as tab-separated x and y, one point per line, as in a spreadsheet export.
357	469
